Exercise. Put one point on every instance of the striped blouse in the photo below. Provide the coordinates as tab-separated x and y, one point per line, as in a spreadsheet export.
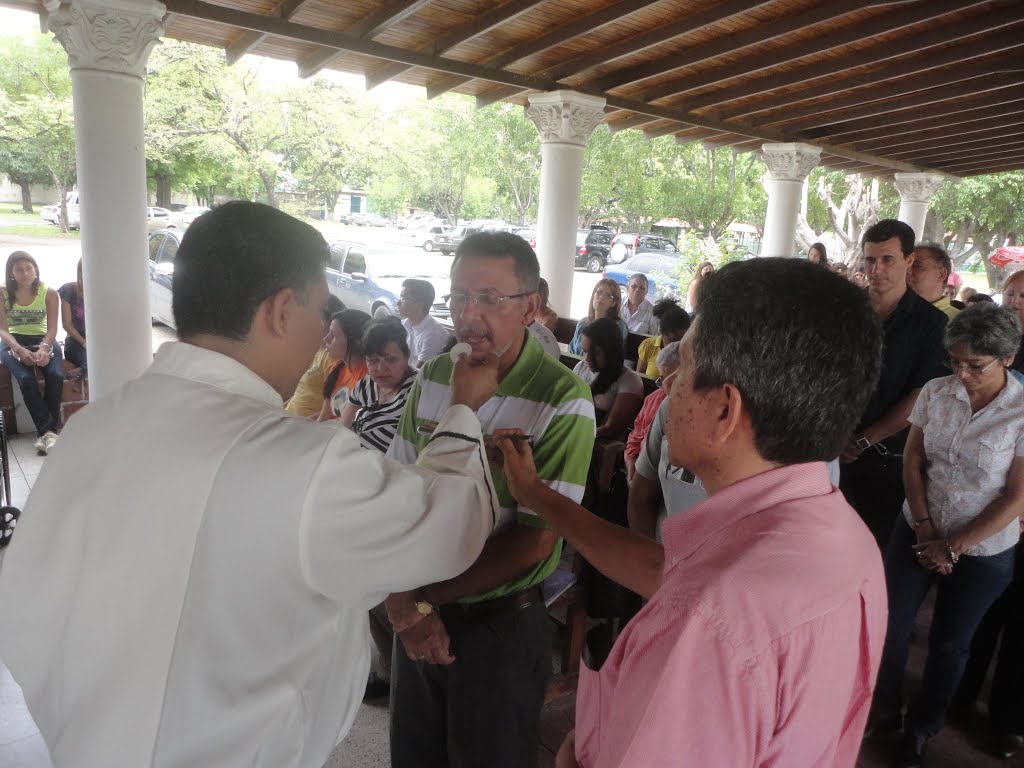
375	424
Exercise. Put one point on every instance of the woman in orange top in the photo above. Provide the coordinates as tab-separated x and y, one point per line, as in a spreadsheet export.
344	342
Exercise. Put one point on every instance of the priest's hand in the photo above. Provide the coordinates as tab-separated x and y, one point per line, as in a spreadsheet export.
473	383
428	641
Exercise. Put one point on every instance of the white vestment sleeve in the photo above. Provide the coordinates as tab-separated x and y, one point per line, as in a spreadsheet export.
370	526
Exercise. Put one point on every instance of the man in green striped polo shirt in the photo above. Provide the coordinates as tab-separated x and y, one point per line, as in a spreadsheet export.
473	655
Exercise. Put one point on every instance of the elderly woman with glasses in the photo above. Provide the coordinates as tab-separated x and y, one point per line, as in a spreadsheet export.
605	301
964	478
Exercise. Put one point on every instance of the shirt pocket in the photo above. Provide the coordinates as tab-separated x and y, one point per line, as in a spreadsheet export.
996	449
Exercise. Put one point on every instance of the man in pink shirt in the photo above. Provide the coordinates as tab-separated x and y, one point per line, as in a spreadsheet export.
763	634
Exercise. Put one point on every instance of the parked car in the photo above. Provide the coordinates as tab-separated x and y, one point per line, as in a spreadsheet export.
425	237
660	271
631	244
190	213
51	213
368	276
528	234
163	246
592	247
160	218
448	241
369	220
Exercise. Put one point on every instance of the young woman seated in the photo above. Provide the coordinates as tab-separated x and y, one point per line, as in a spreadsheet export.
344	342
605	301
618	392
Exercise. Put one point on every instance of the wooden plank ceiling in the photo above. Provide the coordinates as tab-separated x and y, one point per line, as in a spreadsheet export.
881	85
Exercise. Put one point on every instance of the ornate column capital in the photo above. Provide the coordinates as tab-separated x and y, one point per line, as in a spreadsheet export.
565	117
790	162
918	187
109	35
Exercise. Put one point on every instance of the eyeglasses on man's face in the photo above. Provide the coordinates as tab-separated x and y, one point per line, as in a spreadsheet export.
485	301
971	369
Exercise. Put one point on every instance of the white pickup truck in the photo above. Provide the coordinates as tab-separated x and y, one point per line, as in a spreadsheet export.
51	213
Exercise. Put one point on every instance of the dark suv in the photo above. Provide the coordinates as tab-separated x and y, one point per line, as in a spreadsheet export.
592	246
628	245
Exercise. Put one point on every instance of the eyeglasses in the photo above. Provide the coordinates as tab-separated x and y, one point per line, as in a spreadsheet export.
969	368
376	360
487	302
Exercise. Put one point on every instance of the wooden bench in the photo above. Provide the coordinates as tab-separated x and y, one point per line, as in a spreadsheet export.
74	397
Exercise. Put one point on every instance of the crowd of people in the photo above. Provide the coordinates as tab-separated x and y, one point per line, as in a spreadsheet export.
811	458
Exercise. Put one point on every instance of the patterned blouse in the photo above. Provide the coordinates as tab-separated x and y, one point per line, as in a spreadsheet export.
376	425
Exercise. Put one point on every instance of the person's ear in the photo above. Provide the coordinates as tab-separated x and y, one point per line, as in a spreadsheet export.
727	405
531	305
277	312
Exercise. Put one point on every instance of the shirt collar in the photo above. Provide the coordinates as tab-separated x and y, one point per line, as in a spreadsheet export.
684	534
187	361
417	326
1008	396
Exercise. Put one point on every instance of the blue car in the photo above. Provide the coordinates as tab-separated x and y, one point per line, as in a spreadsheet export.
660	271
369	276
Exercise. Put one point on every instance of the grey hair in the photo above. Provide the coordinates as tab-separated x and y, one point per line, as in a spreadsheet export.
668	357
987	329
638	276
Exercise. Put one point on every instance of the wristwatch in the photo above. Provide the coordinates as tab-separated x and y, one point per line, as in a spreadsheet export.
863	443
424	608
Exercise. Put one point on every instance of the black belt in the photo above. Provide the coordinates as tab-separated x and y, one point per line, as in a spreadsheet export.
486	609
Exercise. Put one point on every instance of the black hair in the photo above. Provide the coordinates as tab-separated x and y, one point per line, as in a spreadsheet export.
802	346
379	332
674	320
334	306
662	306
605	334
420	291
11	283
887	229
234	258
503	245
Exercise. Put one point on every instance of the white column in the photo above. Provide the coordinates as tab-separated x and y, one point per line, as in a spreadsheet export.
565	120
916	191
108	43
788	166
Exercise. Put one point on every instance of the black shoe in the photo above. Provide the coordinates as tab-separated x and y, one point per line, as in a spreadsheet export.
376	688
1006	745
911	751
883	723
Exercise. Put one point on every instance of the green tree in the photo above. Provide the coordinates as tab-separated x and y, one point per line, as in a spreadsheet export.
513	161
37	143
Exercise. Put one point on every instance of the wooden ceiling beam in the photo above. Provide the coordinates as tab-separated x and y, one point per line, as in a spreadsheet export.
483	22
734	43
944	152
1002	135
982	121
669	30
490	97
250	40
559	36
911	61
912	94
366	28
198	9
947	156
867	129
665	130
985	170
695	134
631	122
1003	157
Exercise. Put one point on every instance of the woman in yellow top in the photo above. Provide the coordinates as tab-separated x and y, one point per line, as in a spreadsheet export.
673	322
28	326
308	398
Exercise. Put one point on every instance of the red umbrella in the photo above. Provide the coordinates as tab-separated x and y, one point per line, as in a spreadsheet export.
1007	255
